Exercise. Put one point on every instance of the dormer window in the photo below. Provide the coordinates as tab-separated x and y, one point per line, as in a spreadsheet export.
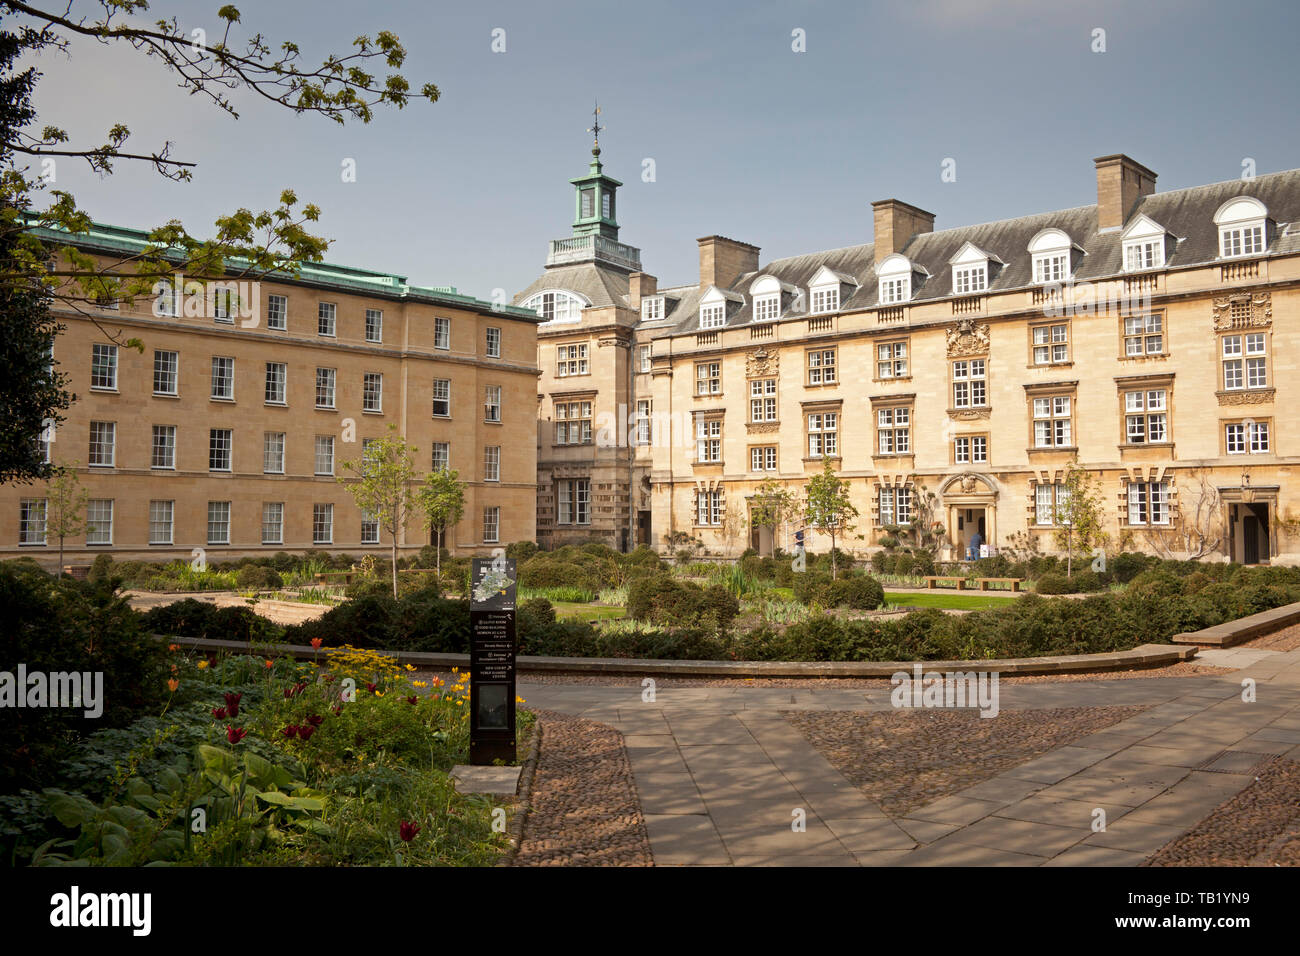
828	288
556	306
826	300
767	307
652	308
713	316
1243	227
967	280
895	275
972	270
1144	245
895	290
766	293
1051	250
1144	254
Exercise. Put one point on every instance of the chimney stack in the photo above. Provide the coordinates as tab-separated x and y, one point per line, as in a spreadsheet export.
723	261
639	286
896	223
1121	182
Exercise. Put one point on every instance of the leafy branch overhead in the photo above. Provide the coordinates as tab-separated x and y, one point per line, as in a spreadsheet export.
44	233
245	244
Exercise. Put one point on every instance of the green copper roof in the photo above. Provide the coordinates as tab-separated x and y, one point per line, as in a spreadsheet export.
122	239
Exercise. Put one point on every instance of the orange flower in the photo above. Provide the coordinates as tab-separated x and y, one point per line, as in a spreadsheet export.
173	684
316	642
270	664
173	647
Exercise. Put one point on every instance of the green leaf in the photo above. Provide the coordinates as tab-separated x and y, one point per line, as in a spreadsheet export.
70	809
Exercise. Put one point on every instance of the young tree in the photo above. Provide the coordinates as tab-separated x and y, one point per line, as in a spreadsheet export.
1078	514
772	506
442	499
65	507
383	486
734	527
828	508
37	245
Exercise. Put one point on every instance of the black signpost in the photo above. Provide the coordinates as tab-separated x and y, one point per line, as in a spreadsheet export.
492	662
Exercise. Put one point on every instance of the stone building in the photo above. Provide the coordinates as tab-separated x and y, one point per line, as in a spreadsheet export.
953	374
229	431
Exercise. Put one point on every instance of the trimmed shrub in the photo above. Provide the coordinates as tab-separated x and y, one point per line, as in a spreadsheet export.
665	600
256	577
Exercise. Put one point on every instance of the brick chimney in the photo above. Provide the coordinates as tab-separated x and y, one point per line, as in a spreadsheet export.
723	261
896	223
639	286
1121	182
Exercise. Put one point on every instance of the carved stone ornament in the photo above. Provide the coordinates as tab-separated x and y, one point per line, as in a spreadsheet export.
969	414
761	363
1254	396
762	428
1258	316
968	337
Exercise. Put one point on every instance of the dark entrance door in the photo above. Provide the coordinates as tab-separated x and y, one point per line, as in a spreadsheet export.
643	527
1254	533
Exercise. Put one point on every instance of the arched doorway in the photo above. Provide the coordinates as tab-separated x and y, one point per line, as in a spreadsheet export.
970	504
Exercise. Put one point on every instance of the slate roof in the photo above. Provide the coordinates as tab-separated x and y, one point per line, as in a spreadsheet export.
1186	214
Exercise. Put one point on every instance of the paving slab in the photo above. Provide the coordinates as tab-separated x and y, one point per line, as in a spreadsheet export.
1136	836
1096	856
1016	836
958	809
685	839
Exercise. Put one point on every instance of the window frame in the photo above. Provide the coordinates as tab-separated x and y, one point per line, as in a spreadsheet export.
327	317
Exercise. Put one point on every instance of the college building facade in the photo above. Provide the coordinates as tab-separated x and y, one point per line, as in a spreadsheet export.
949	376
229	431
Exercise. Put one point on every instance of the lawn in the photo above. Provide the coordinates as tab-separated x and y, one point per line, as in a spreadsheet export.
946	602
587	612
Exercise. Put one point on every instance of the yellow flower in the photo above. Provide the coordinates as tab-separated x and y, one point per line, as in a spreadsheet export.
203	665
520	700
410	667
419	683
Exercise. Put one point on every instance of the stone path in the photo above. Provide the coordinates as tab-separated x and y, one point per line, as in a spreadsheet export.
722	775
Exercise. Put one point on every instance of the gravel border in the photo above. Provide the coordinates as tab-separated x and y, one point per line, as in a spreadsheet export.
523	795
1260	826
584	809
1287	639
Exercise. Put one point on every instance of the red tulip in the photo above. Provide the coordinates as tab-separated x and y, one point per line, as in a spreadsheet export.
305	731
371	687
235	734
315	720
337	708
412	700
316	642
290	731
219	713
232	703
407	831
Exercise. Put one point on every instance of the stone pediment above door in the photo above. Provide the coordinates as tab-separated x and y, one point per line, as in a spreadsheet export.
968	485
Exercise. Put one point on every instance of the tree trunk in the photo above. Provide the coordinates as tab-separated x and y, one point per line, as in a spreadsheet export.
437	560
834	566
58	572
1069	554
394	564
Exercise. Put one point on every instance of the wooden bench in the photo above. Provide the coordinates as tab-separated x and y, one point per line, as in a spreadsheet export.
931	579
1014	582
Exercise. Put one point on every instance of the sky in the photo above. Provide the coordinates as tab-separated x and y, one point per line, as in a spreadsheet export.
749	138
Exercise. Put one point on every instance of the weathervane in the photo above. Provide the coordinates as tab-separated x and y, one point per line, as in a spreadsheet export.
595	126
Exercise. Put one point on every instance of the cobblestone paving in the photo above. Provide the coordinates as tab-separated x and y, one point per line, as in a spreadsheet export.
907	759
584	807
1258	827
